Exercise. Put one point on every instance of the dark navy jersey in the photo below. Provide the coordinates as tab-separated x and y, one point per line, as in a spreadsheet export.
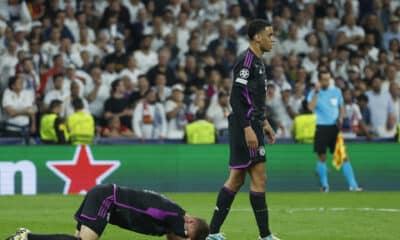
146	212
249	89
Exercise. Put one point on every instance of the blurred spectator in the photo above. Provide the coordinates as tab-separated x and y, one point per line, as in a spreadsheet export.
52	126
214	10
294	44
353	33
117	105
14	10
84	44
162	68
36	8
8	61
145	57
114	129
58	92
148	119
133	7
176	115
52	47
298	97
331	21
394	91
353	123
182	32
381	107
391	33
31	78
18	107
236	19
118	57
163	92
115	9
80	124
74	94
131	71
59	23
322	35
218	113
362	102
97	93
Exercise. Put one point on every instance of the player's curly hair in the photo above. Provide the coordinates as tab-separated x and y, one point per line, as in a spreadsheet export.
202	229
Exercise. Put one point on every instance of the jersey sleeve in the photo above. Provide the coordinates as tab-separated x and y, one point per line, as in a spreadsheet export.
340	96
240	97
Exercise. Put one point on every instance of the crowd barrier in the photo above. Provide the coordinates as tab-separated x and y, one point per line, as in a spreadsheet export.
182	168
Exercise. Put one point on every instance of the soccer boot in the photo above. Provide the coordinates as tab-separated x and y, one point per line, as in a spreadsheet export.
20	234
356	189
270	237
216	236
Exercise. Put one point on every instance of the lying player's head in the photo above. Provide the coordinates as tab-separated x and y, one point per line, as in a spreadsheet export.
261	33
197	228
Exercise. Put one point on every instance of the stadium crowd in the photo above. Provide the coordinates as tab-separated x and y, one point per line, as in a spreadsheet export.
146	69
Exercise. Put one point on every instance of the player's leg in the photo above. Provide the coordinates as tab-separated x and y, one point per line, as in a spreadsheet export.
320	144
225	198
25	234
258	202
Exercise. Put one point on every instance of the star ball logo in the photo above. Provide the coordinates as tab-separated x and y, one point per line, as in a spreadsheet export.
83	172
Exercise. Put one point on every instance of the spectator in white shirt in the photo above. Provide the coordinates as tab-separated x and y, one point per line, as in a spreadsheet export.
394	91
145	57
149	118
133	7
58	92
31	78
331	21
131	71
215	9
74	94
85	44
18	107
97	93
175	110
8	61
161	89
196	15
354	34
52	47
218	113
182	33
294	44
236	19
380	104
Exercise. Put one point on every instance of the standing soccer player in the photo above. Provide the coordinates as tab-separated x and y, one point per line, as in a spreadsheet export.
327	103
247	125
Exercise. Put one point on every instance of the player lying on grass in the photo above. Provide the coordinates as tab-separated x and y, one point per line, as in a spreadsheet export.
143	211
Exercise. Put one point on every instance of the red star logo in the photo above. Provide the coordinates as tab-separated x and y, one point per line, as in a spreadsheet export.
83	172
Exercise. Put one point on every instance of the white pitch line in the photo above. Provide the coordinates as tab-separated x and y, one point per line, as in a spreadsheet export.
322	209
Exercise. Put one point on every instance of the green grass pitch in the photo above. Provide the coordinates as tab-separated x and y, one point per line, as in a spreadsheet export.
293	216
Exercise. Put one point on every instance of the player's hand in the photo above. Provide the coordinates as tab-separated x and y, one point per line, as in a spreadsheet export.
270	134
251	138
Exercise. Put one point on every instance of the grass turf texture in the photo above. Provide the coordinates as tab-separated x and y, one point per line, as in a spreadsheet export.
294	216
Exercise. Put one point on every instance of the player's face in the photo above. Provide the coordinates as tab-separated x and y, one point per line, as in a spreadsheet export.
266	39
190	226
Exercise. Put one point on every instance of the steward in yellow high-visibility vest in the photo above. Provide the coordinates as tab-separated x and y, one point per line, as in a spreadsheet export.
200	131
80	124
52	126
304	128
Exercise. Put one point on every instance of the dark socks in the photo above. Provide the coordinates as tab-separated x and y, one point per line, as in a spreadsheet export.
224	202
51	237
257	200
